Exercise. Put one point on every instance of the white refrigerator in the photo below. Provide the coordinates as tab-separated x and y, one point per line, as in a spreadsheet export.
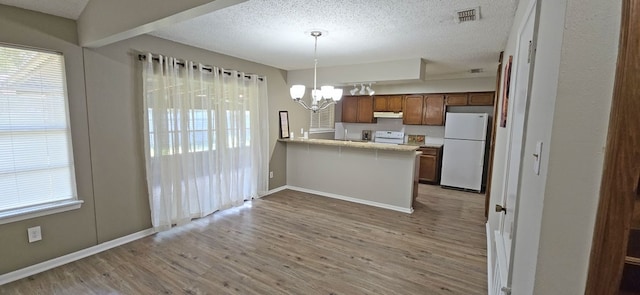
463	157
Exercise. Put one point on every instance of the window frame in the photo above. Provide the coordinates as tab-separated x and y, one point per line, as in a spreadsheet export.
23	212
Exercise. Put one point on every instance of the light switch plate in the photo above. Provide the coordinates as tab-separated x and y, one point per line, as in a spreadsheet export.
34	234
537	158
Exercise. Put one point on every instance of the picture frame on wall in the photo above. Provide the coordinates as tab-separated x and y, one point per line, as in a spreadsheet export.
505	92
284	124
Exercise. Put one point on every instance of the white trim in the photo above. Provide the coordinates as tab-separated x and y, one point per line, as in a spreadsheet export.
71	257
275	190
489	259
501	259
39	210
321	130
350	199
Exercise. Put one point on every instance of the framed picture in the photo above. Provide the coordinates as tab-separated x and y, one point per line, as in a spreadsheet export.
284	124
505	92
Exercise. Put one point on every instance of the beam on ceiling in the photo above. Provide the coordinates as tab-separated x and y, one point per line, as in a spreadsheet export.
397	71
108	21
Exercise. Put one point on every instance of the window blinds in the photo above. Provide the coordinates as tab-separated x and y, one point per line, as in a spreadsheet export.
36	159
323	120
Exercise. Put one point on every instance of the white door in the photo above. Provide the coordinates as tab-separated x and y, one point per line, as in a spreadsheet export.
518	100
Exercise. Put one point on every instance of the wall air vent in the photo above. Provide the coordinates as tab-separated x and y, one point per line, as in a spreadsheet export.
466	15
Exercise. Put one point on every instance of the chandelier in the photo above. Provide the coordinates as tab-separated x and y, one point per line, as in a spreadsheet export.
320	98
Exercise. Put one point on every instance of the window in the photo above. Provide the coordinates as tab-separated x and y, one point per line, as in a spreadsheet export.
36	158
323	121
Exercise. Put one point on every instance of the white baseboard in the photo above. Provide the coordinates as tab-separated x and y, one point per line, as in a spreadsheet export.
489	259
275	190
350	199
71	257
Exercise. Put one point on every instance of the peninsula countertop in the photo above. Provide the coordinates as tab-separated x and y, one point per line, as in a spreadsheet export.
354	144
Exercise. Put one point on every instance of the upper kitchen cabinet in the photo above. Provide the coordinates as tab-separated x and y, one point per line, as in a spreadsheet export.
357	109
413	108
481	98
350	109
424	110
456	99
470	99
433	110
387	103
365	109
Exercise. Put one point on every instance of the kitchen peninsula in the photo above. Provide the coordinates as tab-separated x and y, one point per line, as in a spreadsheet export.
376	174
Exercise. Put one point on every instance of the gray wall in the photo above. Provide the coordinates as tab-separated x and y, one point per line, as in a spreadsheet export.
106	126
73	230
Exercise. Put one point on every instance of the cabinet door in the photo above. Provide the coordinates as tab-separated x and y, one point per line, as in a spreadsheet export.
457	99
350	109
365	109
394	103
413	108
380	103
481	99
428	168
434	110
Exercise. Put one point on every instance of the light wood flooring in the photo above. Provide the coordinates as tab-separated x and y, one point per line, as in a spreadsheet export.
295	243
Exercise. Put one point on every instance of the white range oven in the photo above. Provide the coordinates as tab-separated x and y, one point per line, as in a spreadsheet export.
392	137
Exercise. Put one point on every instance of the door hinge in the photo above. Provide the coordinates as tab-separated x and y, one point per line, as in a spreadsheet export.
530	52
506	290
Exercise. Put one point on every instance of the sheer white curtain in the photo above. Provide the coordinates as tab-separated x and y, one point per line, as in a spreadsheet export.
206	139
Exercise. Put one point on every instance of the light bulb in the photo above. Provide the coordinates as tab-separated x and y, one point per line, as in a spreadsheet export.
297	91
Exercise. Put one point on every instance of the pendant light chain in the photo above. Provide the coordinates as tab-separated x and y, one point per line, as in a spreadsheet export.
315	65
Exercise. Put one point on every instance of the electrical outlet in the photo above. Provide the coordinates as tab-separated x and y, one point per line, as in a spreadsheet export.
270	174
34	234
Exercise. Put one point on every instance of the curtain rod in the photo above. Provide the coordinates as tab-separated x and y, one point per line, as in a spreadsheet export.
206	68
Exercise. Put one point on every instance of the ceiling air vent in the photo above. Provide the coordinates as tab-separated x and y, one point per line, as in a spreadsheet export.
476	71
466	15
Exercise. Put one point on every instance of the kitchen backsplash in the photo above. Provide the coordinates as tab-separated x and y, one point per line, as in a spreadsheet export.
434	134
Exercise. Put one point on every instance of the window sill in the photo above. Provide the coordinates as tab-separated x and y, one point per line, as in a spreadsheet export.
324	130
39	210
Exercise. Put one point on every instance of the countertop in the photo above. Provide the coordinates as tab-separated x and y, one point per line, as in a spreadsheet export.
356	144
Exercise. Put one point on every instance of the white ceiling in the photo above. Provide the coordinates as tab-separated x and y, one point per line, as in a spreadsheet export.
276	32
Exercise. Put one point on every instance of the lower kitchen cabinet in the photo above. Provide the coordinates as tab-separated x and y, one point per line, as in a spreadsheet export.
430	162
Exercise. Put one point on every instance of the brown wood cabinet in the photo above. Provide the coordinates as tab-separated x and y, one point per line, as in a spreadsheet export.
350	109
413	108
365	109
481	98
357	109
456	99
380	103
430	165
387	103
423	110
470	99
433	110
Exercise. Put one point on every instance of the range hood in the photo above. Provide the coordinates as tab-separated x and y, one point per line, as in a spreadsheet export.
390	115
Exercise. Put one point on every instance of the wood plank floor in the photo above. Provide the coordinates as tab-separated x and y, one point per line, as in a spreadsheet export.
295	243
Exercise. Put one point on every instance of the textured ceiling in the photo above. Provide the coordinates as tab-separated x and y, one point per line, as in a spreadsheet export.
275	32
64	8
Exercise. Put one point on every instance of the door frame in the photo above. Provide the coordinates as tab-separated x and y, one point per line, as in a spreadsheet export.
621	170
492	142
